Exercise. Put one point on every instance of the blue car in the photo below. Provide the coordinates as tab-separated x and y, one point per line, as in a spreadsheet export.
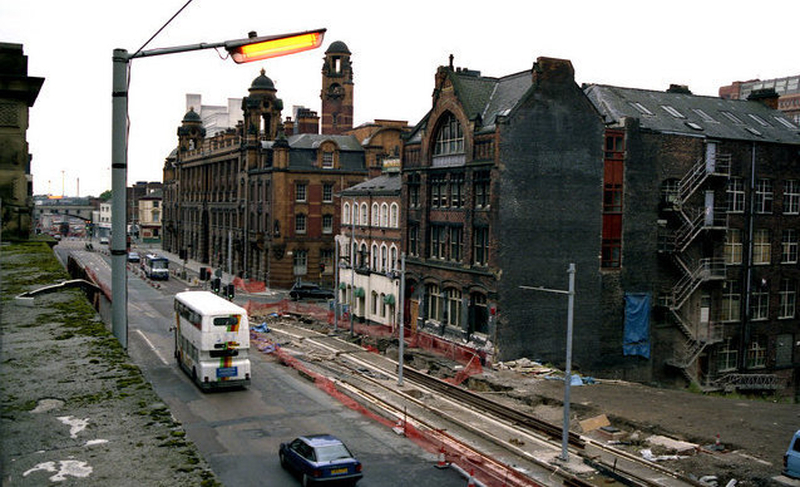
320	459
791	460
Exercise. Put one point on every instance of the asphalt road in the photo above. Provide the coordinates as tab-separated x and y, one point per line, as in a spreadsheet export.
238	432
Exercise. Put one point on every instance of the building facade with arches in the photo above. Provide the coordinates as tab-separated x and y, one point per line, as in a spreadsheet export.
260	200
370	216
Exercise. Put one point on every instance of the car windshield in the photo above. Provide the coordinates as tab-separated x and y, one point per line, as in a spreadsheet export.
329	453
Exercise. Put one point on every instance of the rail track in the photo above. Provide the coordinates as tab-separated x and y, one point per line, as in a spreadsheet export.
610	466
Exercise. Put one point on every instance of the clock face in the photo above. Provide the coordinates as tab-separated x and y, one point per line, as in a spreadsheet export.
335	91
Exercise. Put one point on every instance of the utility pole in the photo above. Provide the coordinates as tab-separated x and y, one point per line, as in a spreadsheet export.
568	372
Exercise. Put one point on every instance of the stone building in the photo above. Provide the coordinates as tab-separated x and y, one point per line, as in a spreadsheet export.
150	216
260	200
18	92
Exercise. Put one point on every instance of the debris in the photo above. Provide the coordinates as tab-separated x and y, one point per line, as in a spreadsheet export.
679	447
595	423
516	442
399	428
710	480
262	328
268	347
647	454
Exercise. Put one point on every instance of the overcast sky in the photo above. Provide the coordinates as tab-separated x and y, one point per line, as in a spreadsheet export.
396	48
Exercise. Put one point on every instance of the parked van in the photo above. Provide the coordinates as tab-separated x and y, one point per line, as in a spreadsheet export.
791	461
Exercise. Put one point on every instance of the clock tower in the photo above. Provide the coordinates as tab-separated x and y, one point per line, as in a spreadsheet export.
337	90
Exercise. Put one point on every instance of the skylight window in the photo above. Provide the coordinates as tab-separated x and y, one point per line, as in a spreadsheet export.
753	131
758	119
693	125
706	117
785	122
642	109
733	118
672	111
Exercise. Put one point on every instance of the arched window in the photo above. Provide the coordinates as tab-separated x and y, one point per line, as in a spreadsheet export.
384	258
452	307
393	212
364	215
354	221
393	258
346	213
363	258
375	215
449	138
384	215
375	257
374	303
478	314
432	298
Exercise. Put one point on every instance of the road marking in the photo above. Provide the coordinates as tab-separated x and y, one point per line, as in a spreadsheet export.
150	344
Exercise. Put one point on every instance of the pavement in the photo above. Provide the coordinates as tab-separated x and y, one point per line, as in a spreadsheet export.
75	409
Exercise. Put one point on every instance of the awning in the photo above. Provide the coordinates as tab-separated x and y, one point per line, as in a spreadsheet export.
342	286
388	299
359	292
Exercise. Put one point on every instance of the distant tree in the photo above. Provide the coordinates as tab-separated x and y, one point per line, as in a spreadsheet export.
105	195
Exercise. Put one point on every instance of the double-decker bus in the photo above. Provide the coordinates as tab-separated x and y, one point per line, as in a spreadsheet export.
212	340
155	266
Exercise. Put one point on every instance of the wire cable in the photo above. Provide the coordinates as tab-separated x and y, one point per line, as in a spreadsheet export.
162	28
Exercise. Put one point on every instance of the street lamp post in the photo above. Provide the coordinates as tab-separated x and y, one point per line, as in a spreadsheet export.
402	329
253	48
568	372
336	285
352	265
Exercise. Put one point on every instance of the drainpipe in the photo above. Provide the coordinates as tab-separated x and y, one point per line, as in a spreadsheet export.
745	330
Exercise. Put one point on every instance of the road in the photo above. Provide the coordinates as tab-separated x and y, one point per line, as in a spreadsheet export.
238	432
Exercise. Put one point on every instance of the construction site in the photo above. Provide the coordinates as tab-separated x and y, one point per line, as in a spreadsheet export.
684	438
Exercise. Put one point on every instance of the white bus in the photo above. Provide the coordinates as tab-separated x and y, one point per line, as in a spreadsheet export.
212	340
155	266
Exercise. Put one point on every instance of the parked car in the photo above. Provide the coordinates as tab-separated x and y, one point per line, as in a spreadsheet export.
103	240
302	290
791	460
320	459
134	257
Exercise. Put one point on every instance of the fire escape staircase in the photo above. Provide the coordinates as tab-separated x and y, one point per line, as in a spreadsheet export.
694	274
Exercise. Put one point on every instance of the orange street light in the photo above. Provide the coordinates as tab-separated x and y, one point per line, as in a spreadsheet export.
256	48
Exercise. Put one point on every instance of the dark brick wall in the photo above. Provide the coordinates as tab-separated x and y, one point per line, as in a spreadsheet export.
550	216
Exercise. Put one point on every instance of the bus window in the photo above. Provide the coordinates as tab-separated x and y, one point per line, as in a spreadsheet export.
226	321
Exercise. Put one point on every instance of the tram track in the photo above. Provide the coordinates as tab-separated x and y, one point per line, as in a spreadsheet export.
354	365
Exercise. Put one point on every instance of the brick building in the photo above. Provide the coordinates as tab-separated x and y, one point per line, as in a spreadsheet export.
787	88
491	192
259	200
701	212
679	211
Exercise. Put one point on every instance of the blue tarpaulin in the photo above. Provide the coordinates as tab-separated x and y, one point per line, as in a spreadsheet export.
636	339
